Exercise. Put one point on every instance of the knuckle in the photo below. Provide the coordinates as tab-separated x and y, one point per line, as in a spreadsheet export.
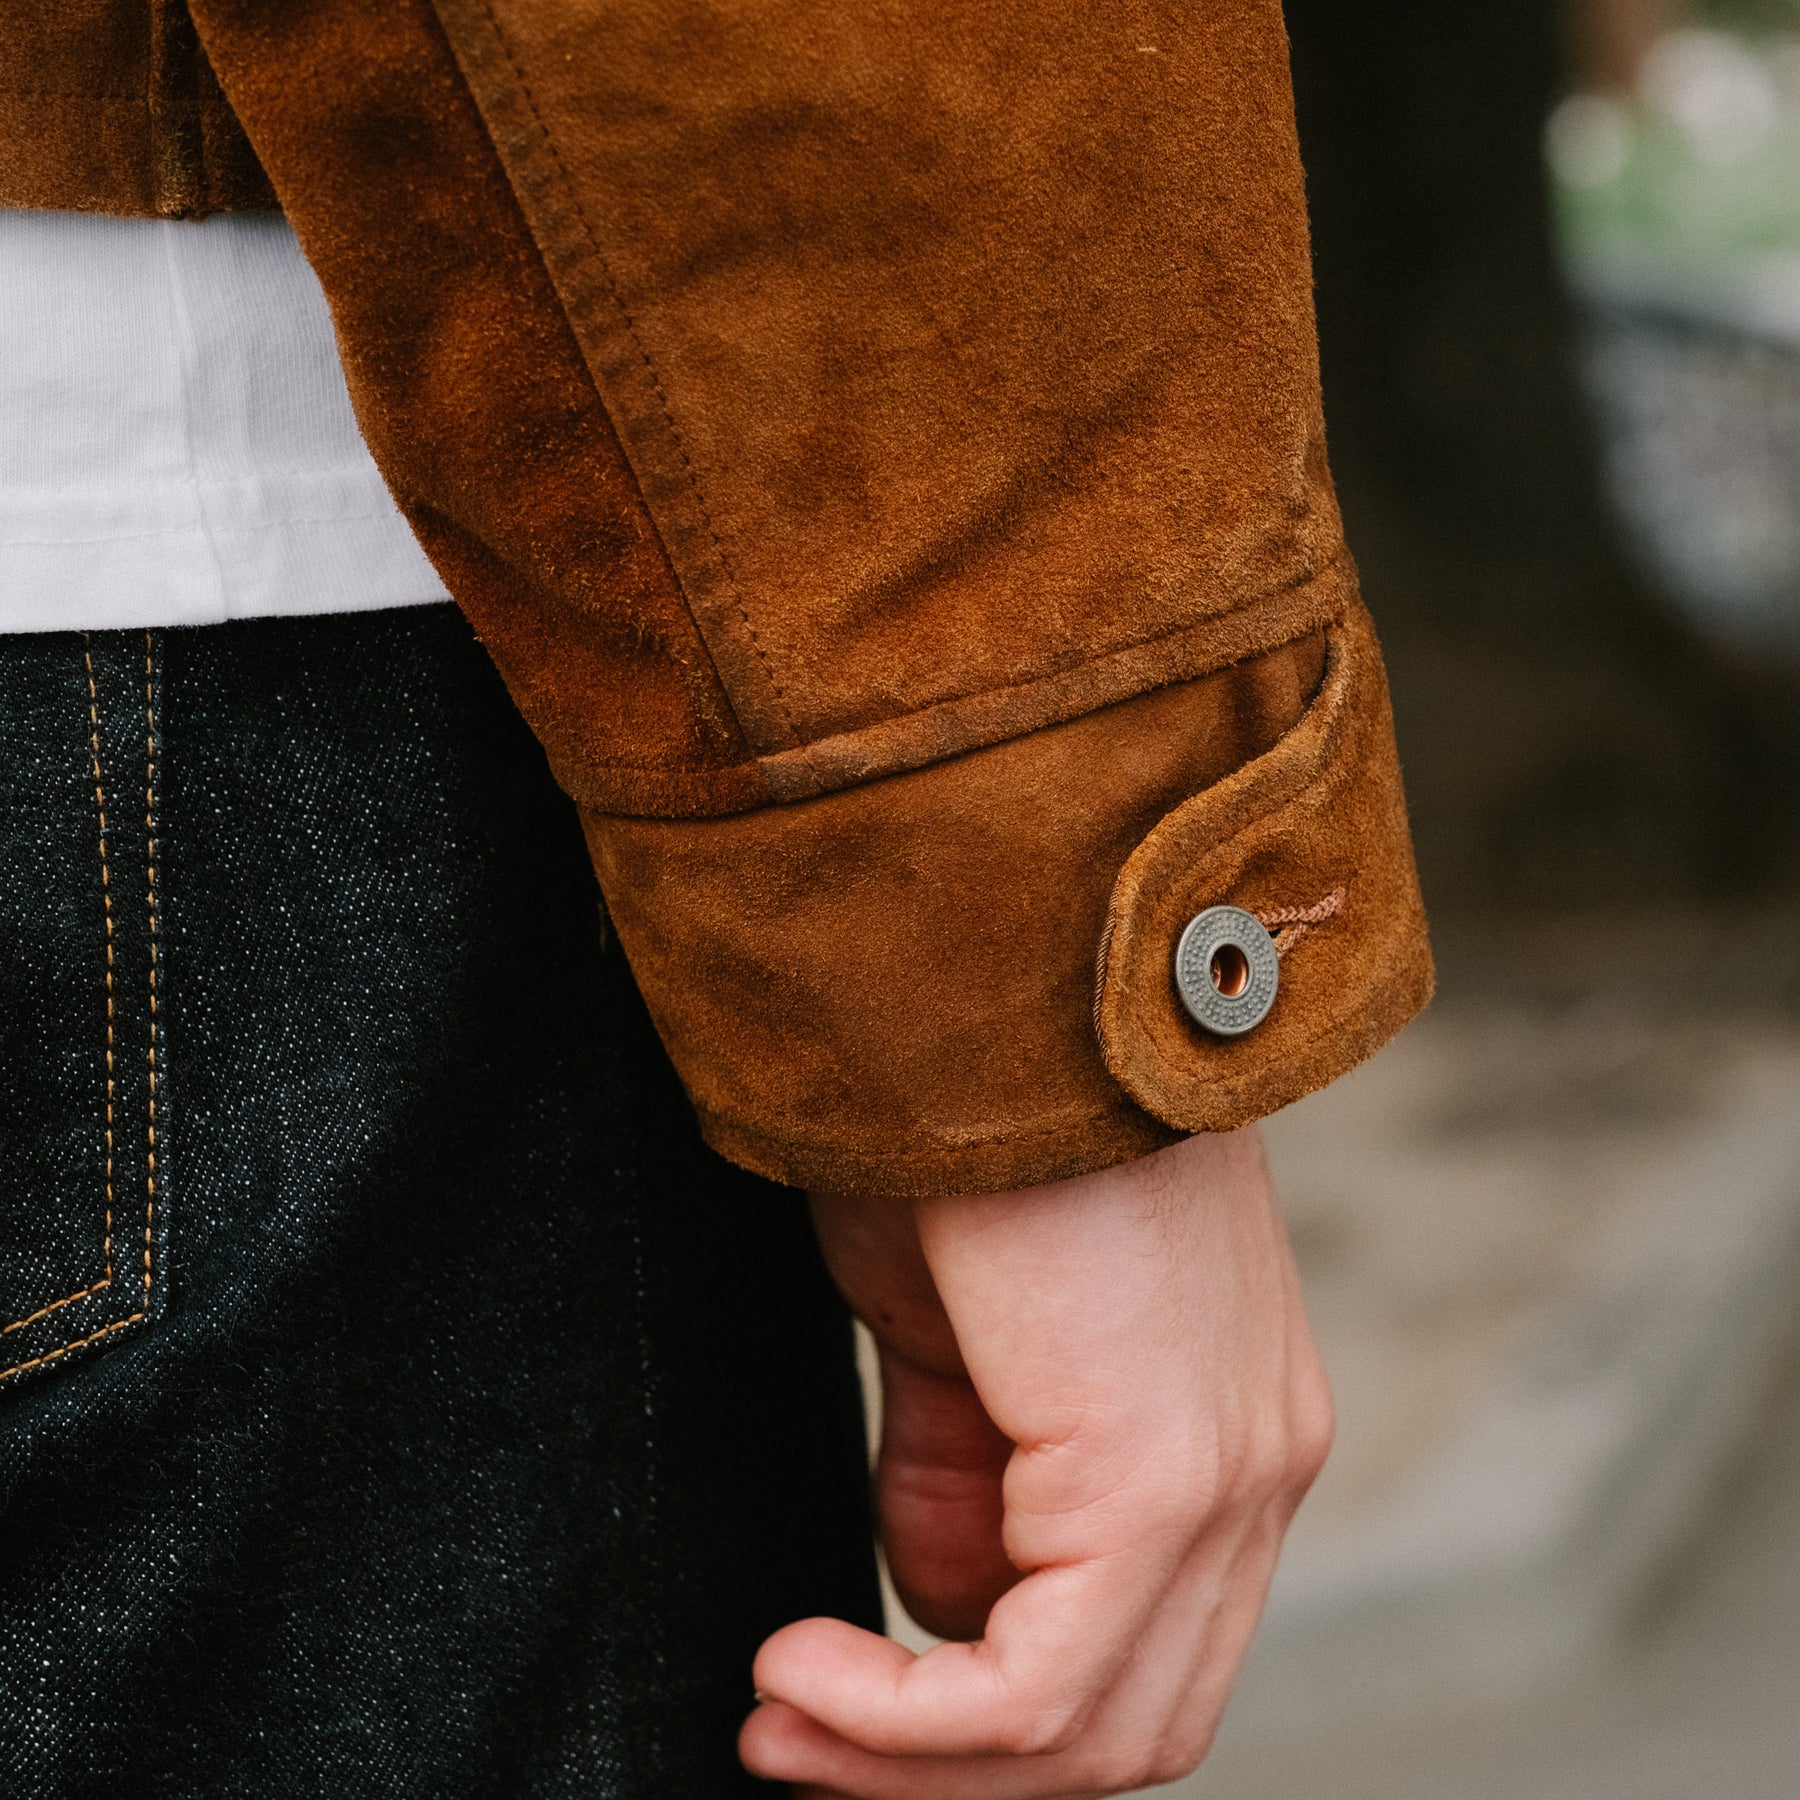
1314	1430
1272	1470
1258	1457
1190	1498
1258	1468
1311	1453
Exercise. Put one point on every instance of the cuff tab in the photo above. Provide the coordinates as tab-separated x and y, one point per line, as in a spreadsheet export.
1321	809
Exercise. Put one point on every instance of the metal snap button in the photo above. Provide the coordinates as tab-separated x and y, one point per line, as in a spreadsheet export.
1226	970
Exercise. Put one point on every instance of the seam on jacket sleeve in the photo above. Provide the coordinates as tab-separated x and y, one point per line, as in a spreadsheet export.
626	378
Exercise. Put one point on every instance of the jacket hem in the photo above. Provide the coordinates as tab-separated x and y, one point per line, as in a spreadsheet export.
1028	1157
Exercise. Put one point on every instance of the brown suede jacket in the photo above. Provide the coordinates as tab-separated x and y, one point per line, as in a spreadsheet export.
881	448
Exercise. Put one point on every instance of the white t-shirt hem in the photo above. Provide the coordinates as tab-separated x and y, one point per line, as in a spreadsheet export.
176	443
189	554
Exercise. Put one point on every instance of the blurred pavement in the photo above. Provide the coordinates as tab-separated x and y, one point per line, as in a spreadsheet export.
1700	1700
1551	1245
1474	1187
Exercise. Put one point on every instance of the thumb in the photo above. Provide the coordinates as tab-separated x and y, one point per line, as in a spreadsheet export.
938	1494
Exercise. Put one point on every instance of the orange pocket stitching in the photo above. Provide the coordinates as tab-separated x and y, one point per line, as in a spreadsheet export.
150	865
111	1046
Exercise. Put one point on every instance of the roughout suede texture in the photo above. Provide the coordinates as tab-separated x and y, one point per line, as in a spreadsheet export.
992	873
110	107
882	452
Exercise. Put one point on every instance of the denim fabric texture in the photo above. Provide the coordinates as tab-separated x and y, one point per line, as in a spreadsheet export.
396	1398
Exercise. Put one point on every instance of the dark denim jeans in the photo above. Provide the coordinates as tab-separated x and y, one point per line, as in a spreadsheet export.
398	1400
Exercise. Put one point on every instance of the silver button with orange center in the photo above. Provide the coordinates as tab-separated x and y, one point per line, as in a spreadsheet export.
1226	970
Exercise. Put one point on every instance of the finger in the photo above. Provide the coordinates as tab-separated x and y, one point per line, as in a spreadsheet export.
1154	1726
939	1496
1026	1689
1157	1721
1054	1645
1189	1640
779	1744
1117	1750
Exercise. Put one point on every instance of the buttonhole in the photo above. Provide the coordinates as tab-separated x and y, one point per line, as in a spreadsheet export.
1230	970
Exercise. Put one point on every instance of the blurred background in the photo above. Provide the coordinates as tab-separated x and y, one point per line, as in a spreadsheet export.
1552	1235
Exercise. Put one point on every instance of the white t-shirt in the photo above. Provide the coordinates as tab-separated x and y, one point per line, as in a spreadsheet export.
176	444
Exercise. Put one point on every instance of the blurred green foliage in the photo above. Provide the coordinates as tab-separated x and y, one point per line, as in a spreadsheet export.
1689	208
1754	17
1703	168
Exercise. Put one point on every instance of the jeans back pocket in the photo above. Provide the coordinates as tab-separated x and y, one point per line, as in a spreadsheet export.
80	1036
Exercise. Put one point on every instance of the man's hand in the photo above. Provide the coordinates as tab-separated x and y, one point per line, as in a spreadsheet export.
1102	1406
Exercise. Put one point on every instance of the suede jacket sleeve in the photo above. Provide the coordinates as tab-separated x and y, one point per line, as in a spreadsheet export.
881	448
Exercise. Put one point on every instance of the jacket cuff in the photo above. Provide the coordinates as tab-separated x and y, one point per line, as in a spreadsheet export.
961	979
1312	840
